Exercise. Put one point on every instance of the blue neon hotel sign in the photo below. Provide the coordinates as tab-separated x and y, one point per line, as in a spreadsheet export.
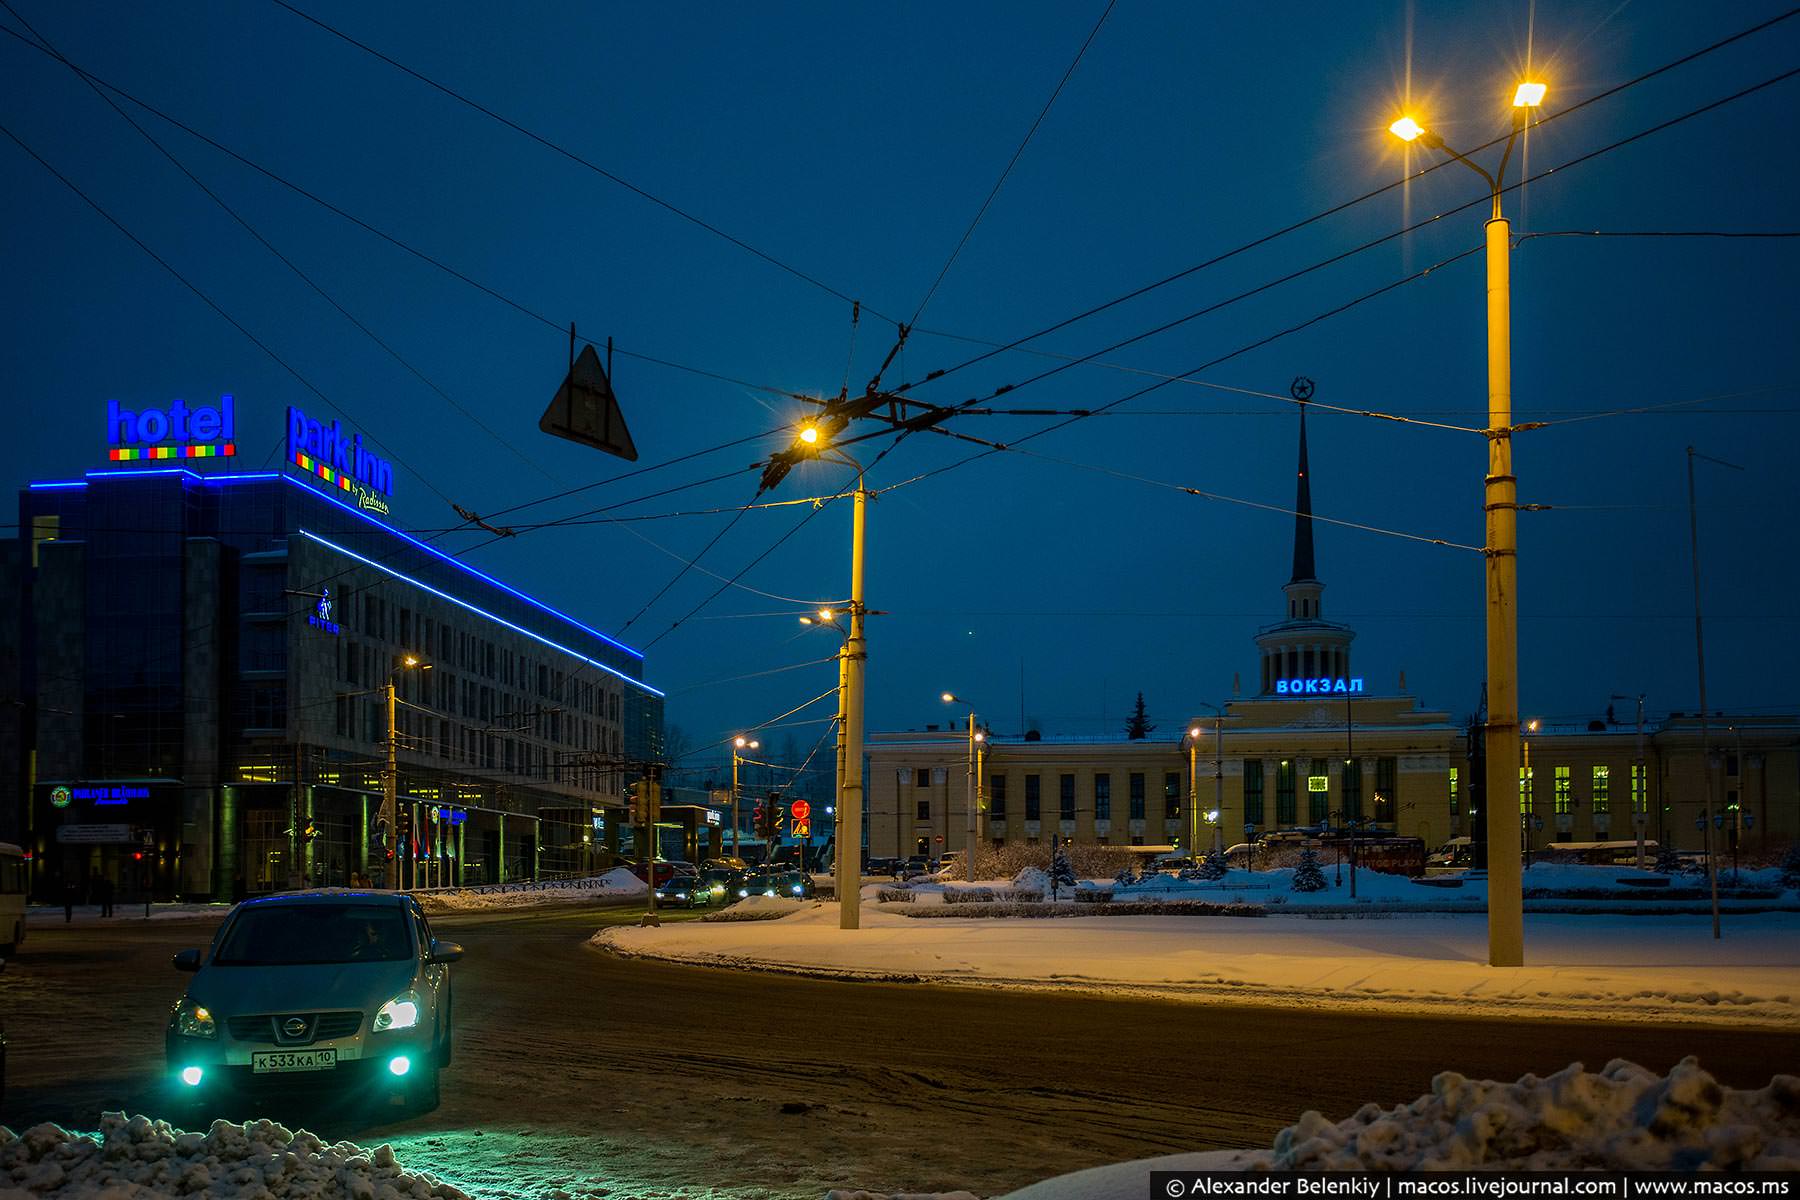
178	431
340	461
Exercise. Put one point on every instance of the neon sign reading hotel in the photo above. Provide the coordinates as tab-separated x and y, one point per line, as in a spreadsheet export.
340	460
203	431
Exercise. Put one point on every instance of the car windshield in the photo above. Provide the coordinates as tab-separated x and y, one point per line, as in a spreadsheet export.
718	875
288	935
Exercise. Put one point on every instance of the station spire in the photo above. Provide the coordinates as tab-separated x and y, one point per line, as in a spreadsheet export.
1304	567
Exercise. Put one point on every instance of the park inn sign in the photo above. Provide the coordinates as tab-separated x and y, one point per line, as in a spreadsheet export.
1318	687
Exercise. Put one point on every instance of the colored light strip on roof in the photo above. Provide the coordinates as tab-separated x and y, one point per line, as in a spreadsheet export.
465	567
313	466
386	570
152	453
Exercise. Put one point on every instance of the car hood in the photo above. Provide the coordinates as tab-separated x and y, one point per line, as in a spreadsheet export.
238	991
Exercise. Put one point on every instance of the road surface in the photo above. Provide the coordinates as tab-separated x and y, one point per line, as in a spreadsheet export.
606	1077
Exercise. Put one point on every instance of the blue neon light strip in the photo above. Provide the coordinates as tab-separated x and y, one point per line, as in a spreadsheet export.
44	487
637	683
463	566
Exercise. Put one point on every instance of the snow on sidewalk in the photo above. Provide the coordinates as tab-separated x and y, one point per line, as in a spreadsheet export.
134	1157
1664	967
617	884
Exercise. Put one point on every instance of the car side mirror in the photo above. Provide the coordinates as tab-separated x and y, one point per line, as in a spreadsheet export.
187	960
444	952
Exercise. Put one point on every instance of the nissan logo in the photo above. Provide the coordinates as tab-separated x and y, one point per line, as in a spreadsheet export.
294	1027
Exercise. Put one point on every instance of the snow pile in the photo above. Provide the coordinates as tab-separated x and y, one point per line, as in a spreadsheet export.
761	908
135	1157
1032	879
617	884
1623	1118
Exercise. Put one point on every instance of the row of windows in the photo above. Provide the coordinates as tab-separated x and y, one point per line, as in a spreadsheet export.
1562	789
1101	796
422	733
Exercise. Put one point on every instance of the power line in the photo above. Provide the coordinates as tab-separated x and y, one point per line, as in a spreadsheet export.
270	247
1013	161
1353	202
1659	233
694	687
798	526
686	566
573	157
162	262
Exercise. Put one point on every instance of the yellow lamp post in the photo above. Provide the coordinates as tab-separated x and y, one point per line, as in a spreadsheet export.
973	838
1506	916
739	744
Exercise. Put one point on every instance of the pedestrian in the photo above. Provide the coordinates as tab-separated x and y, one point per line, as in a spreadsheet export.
69	893
103	891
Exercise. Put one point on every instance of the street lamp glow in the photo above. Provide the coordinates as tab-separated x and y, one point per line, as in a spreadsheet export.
1406	129
825	614
809	434
1529	95
980	736
741	743
1532	725
411	661
1194	732
949	697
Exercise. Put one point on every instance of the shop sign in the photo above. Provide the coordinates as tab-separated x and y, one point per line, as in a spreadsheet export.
119	793
91	835
340	461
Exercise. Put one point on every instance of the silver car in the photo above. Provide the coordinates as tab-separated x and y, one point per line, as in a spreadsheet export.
338	991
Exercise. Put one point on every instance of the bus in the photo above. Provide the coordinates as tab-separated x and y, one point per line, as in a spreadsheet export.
15	880
1602	854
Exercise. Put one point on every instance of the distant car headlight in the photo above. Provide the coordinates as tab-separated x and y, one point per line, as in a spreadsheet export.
742	892
193	1020
681	895
797	889
402	1012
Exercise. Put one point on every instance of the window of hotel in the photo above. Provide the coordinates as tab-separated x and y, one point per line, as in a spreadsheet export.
1032	805
1253	791
1284	793
1103	795
1066	796
1602	789
1639	792
1171	795
1527	792
1564	795
1137	796
997	797
1318	794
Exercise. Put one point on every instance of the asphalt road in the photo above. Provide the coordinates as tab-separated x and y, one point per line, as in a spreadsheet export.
600	1076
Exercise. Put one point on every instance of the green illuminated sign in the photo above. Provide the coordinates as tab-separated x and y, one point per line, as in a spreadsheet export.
1318	783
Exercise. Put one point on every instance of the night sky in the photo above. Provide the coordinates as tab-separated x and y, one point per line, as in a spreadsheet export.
854	144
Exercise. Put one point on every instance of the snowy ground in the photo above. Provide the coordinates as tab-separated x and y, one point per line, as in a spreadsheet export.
617	884
1620	1118
89	914
1656	967
135	1157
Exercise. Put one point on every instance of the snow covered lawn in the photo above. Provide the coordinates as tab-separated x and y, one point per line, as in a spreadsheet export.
617	884
1653	967
133	1157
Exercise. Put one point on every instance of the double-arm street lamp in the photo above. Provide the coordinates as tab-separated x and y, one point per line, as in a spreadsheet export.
739	744
390	777
1506	918
1214	818
977	738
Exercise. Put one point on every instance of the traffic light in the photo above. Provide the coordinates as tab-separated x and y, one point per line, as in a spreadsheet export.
308	832
769	818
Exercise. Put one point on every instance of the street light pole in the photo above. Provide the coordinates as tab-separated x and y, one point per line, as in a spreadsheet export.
1506	912
1218	813
850	804
1712	872
738	745
1640	771
1194	792
973	833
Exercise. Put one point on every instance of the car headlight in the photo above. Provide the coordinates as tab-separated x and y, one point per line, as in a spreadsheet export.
402	1012
193	1020
681	895
742	892
797	889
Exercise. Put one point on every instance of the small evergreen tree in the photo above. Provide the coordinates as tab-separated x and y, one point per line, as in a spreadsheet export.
1061	873
1790	868
1213	866
1190	874
1667	861
1124	878
1307	876
1137	725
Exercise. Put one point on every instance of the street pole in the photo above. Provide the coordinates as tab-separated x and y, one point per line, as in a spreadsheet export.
1218	779
969	845
1194	793
850	803
390	782
1712	872
734	801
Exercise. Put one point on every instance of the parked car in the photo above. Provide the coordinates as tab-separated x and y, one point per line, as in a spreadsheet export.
918	864
337	991
883	866
683	891
1457	854
776	882
665	870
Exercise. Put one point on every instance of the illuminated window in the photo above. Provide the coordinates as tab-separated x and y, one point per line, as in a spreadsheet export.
1455	797
1103	794
1527	803
1318	793
1602	787
1564	797
1639	791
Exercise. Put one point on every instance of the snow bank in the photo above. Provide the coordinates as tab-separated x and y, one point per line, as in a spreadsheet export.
135	1158
617	884
88	914
1623	1118
1650	967
761	908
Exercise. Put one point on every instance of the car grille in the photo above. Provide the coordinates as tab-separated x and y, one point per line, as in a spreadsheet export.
320	1026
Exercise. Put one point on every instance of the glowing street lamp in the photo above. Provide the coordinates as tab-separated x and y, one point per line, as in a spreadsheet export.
973	801
738	745
1506	909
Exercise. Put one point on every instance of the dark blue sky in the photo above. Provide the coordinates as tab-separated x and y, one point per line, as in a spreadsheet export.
855	143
